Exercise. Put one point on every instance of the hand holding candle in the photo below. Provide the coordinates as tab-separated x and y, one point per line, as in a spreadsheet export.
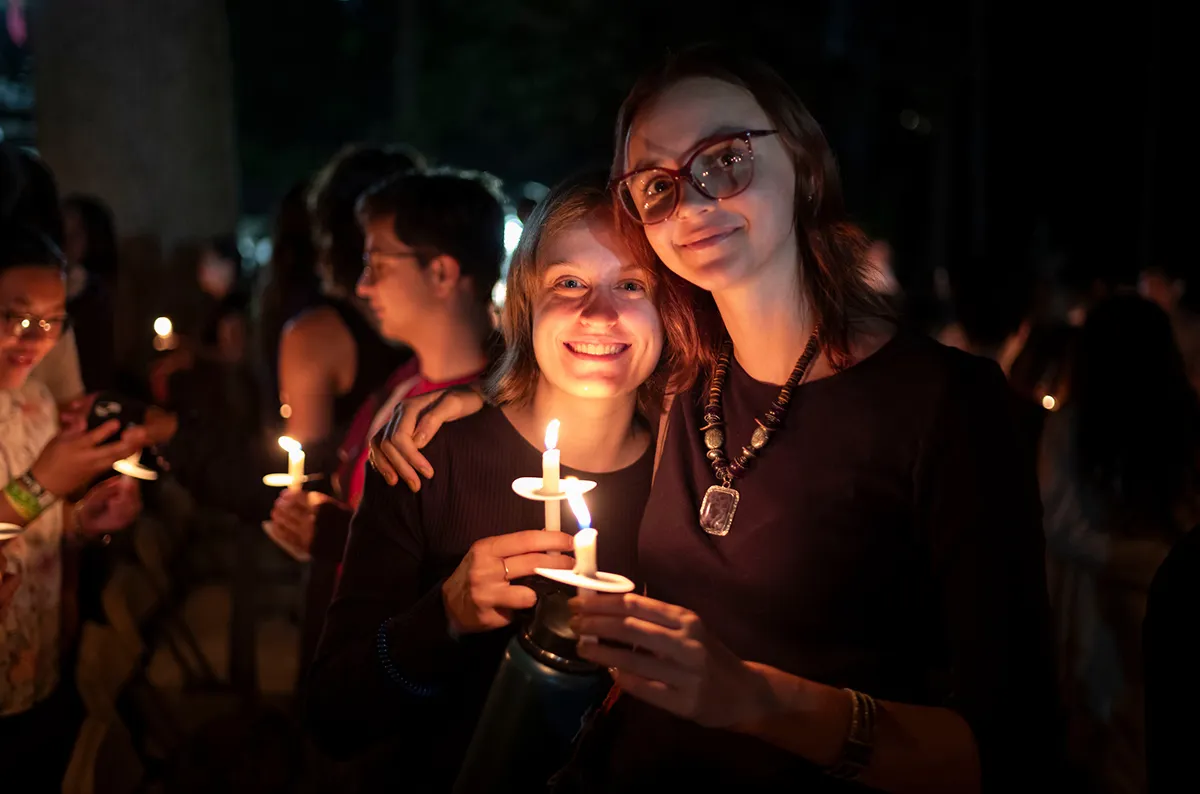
294	482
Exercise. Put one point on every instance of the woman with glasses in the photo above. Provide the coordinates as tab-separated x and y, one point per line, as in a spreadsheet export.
42	465
842	548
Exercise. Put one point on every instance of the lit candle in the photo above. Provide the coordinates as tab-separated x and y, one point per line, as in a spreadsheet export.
295	462
550	477
585	538
164	331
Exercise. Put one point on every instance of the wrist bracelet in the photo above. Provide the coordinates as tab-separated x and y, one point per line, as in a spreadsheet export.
45	498
26	503
860	738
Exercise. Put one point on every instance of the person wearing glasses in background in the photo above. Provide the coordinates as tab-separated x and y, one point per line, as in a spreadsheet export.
42	465
842	548
434	245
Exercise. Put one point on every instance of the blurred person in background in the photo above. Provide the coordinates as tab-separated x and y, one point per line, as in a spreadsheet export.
290	287
43	468
1167	287
434	245
90	245
331	357
31	198
1119	484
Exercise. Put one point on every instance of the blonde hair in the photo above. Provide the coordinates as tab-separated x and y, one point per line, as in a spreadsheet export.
581	198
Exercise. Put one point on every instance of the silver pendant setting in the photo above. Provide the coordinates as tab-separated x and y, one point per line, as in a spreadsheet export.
717	509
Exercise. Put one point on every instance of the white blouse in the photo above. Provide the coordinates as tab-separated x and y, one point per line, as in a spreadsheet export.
29	629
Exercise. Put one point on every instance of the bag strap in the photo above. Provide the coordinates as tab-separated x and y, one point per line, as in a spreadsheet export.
660	441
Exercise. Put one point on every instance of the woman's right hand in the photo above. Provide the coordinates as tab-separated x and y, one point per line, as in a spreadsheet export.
395	449
77	456
479	595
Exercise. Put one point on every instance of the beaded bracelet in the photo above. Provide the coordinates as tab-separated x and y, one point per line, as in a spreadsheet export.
23	501
860	738
389	667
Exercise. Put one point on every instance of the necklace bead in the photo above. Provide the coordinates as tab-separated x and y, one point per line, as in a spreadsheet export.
714	435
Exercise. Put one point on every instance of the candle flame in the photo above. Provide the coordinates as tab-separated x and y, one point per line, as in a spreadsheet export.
552	434
1049	403
290	444
163	326
579	508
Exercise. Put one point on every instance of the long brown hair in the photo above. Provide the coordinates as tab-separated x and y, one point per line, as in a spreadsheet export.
580	198
833	251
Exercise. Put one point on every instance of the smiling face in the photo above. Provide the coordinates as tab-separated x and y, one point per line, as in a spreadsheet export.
717	244
596	330
32	298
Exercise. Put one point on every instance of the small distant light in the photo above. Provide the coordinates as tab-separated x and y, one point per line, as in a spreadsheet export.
512	233
163	326
1049	403
285	411
499	293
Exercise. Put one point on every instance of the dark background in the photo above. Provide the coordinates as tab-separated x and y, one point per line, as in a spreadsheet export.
994	139
1006	135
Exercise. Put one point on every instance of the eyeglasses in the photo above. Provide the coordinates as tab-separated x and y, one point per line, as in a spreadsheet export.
373	272
21	325
720	170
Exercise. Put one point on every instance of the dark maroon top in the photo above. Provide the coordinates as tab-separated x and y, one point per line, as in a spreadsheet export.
888	539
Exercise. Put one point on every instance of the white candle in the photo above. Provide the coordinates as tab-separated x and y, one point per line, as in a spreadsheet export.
585	538
295	462
550	477
585	552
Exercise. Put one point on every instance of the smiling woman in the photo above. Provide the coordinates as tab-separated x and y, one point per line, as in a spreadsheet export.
546	283
429	590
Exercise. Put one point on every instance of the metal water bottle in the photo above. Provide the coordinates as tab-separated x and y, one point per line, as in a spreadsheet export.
538	702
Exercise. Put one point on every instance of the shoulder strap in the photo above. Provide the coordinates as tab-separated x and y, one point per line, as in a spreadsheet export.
661	440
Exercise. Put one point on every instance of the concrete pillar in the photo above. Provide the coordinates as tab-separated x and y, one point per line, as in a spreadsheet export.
134	104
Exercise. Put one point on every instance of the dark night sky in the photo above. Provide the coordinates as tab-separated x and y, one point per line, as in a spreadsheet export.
1059	144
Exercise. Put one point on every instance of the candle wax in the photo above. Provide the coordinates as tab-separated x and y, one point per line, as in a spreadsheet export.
585	552
296	469
552	485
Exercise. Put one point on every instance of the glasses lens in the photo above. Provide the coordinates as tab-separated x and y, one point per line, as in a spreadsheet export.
725	168
649	195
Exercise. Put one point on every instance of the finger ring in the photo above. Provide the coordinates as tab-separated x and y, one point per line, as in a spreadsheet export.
504	562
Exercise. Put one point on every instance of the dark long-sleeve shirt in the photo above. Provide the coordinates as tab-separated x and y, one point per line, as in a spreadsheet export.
887	539
401	549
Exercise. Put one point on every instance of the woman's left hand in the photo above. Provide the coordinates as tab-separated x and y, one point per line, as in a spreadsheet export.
109	507
675	663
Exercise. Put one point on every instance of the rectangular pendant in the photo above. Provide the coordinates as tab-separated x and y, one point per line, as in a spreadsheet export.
717	509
